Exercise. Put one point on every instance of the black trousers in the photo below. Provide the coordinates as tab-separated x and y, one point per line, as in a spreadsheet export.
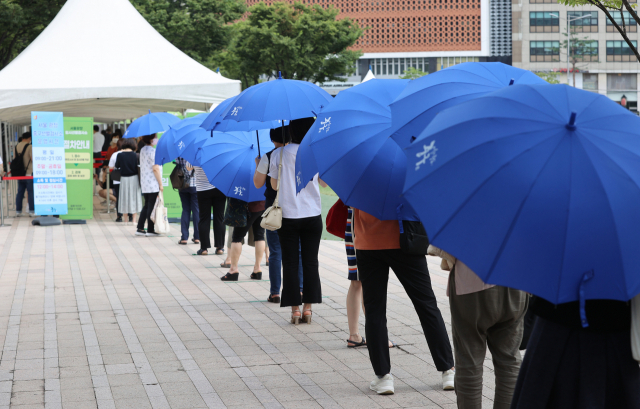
145	214
211	200
253	221
413	273
300	238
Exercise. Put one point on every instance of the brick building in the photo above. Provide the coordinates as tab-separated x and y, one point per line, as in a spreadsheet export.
425	34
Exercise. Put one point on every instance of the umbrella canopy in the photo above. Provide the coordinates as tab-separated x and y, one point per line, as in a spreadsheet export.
228	159
150	124
167	149
277	99
349	145
424	97
189	140
535	187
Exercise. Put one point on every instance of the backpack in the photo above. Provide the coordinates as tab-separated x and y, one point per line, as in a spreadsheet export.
179	178
17	164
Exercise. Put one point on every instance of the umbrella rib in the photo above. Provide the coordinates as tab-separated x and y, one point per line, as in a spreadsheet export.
349	151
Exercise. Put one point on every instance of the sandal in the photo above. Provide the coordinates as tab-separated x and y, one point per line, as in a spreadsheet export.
196	241
354	344
202	252
267	264
227	265
295	317
307	317
219	251
256	275
274	299
393	344
183	242
230	277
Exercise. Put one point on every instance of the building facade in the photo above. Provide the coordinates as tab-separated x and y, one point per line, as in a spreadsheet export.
603	61
424	34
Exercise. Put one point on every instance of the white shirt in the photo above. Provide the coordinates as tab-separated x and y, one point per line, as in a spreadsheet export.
202	181
263	166
294	206
112	164
98	141
148	182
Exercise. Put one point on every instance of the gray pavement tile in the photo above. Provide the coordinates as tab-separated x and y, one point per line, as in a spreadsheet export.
27	398
186	401
76	395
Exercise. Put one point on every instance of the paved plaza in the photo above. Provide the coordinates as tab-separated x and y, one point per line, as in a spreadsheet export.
94	316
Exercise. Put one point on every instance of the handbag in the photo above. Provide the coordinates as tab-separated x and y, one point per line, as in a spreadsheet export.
272	216
635	327
160	216
115	175
235	215
337	219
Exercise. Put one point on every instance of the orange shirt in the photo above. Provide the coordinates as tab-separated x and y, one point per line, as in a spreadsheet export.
374	234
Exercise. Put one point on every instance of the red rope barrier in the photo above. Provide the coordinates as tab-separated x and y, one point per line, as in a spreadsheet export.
17	178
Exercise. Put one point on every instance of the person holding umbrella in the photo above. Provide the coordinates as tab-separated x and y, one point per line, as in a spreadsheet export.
150	184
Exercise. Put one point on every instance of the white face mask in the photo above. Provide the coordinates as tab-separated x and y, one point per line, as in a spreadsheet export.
154	141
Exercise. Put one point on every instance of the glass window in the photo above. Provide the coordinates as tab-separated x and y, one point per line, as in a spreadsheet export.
395	66
620	51
585	50
401	66
583	21
378	69
420	64
622	82
384	66
544	22
590	82
426	65
542	1
414	63
544	51
630	22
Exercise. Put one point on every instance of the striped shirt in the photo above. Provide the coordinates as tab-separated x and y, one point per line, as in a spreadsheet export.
202	182
351	251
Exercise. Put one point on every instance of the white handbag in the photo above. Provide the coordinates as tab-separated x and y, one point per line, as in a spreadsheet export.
635	327
272	217
160	216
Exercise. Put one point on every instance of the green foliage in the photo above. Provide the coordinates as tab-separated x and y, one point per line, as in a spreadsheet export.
412	73
197	27
302	42
550	77
20	23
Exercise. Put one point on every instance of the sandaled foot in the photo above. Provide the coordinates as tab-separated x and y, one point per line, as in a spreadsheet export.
196	241
256	276
202	252
274	299
306	316
392	344
183	242
354	344
295	317
225	265
230	277
220	251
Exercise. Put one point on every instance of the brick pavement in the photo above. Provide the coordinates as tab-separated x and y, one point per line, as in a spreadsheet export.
94	316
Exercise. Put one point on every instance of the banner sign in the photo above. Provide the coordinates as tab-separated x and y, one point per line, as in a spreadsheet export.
49	173
78	153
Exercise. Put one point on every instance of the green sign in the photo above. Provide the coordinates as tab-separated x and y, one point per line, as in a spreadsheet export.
171	196
78	150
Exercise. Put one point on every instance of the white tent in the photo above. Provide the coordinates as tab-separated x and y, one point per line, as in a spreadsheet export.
369	76
101	59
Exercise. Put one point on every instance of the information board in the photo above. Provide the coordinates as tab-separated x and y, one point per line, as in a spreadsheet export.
78	153
49	172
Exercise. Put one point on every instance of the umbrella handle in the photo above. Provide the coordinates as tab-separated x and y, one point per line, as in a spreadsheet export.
258	138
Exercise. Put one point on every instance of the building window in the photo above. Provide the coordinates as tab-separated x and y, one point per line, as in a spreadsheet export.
583	21
590	82
622	82
544	51
585	50
629	22
543	1
620	51
544	22
395	66
401	66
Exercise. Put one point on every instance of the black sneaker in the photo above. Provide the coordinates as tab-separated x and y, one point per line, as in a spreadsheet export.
119	220
130	219
152	234
141	233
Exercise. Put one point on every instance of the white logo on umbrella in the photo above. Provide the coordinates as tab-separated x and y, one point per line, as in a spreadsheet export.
429	153
181	145
298	178
238	190
236	111
326	124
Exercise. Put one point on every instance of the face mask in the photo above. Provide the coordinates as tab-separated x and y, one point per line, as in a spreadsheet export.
154	142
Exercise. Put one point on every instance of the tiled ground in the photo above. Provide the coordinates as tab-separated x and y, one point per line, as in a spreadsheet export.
93	316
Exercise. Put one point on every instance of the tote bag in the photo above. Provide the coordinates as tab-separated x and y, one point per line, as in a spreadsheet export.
160	216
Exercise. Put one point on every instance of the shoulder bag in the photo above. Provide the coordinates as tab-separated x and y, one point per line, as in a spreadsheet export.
272	216
235	215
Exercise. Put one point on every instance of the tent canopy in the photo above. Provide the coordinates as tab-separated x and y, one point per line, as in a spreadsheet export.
82	67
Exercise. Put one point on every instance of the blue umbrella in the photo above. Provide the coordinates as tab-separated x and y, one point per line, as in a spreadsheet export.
228	159
535	187
189	140
167	148
150	124
277	100
350	145
424	97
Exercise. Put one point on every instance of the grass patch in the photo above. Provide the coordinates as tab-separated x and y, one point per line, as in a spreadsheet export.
327	191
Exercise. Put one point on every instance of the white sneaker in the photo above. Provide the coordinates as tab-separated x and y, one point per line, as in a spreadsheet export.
383	386
32	214
447	379
18	214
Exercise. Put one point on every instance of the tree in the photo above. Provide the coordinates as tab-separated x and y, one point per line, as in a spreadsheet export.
611	8
301	42
199	28
412	73
21	21
579	51
550	77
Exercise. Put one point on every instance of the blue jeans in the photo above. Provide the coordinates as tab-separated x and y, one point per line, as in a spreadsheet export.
275	262
22	186
189	200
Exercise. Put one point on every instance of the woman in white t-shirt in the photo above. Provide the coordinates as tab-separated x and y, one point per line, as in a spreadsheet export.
150	184
301	226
